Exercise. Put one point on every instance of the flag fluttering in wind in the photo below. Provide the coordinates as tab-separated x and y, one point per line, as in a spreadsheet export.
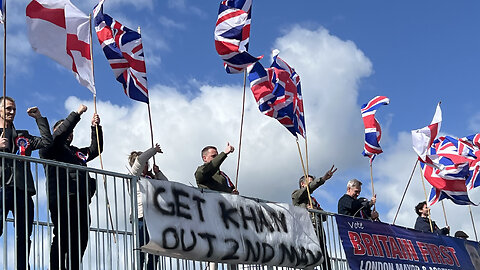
278	93
2	10
59	30
473	142
124	51
373	132
449	181
423	138
232	34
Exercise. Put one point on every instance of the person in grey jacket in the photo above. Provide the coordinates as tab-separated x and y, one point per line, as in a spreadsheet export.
138	162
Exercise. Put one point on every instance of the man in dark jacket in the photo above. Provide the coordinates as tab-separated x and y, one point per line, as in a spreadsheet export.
71	219
350	205
423	223
209	175
300	198
18	186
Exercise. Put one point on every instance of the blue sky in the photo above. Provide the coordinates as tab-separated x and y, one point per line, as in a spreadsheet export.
346	52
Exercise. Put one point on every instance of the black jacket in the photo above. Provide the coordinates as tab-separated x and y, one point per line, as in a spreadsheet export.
22	143
61	150
423	224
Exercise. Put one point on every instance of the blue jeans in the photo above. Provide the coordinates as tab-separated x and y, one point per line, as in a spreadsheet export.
152	260
22	214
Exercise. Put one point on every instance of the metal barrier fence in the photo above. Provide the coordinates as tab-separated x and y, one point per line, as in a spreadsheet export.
70	199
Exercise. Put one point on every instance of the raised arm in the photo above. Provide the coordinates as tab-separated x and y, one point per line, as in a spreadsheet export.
45	139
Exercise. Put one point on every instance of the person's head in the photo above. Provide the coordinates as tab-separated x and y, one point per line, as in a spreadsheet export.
303	183
57	124
461	234
209	153
133	156
422	209
7	115
354	187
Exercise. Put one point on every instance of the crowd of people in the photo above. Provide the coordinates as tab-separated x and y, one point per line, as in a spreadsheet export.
69	191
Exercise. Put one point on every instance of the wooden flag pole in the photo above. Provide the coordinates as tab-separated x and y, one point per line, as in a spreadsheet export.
371	180
405	192
304	173
426	201
96	131
149	111
4	67
444	214
241	127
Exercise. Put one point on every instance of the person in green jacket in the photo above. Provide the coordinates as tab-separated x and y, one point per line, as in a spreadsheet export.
209	175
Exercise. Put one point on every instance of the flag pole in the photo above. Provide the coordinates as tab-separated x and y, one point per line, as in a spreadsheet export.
444	213
241	127
371	180
405	192
149	111
4	15
473	223
426	200
304	173
96	131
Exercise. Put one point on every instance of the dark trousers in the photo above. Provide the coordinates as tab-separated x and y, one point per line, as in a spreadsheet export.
22	215
71	224
152	260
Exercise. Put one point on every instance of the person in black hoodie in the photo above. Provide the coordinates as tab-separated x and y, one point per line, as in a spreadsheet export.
18	185
71	220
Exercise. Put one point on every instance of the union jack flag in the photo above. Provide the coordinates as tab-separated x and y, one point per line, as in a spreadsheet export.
2	10
450	170
473	142
124	51
278	94
232	34
373	132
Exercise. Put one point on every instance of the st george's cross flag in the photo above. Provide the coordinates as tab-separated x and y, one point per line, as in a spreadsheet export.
278	93
373	131
423	138
59	30
124	51
232	34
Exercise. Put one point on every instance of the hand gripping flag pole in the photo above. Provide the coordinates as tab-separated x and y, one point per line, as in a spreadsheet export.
96	131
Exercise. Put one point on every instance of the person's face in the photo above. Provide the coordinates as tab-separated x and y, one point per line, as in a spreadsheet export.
354	191
305	183
8	115
425	211
211	154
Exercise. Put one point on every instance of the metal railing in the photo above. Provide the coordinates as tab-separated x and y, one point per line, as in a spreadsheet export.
66	199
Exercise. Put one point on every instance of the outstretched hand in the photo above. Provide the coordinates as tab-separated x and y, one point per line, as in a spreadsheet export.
158	149
229	149
329	173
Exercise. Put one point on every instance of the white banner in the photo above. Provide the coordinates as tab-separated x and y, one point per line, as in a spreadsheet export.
185	222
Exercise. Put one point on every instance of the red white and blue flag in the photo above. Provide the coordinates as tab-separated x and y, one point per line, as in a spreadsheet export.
450	170
59	30
278	94
2	11
473	142
373	132
123	49
232	34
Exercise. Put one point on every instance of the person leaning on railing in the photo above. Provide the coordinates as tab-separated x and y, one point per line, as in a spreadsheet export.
19	142
62	190
139	167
